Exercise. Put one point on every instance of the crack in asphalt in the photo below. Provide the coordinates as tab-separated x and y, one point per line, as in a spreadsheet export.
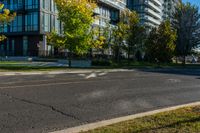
44	105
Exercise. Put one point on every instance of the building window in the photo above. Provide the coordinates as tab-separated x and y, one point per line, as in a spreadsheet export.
25	45
14	4
12	47
3	28
57	25
31	4
31	21
2	48
46	4
46	22
16	25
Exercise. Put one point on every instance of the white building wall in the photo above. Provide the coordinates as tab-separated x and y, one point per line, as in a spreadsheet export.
108	10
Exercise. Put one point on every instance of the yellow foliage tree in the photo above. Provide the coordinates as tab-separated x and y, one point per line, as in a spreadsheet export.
5	17
77	18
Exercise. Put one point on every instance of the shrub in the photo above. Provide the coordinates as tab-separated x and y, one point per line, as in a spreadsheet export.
101	63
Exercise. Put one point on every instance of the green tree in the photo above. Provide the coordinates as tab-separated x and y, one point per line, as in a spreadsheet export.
6	16
128	34
77	18
56	40
102	38
160	44
120	33
187	23
136	33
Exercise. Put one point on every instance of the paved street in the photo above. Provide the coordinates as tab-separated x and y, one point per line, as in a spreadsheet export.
43	103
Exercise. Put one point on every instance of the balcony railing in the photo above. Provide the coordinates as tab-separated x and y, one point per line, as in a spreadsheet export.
119	4
153	6
152	13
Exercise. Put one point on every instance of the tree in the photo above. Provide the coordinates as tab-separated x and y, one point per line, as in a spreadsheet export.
56	40
77	18
128	34
6	16
102	38
187	23
160	44
136	33
120	33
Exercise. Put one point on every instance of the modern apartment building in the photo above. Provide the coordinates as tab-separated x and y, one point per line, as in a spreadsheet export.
109	11
150	11
169	8
153	12
26	35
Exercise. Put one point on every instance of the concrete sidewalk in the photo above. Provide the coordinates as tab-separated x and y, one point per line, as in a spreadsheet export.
67	71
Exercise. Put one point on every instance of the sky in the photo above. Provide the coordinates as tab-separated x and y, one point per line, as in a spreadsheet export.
196	2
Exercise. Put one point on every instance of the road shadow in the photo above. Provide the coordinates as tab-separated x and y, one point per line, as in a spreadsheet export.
176	71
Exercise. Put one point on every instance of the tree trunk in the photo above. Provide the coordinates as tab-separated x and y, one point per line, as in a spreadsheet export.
91	54
184	60
128	55
70	60
118	55
70	56
176	59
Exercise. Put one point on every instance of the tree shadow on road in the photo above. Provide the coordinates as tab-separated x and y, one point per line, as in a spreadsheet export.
186	72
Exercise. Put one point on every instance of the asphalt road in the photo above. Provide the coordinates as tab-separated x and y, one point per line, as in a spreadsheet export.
43	103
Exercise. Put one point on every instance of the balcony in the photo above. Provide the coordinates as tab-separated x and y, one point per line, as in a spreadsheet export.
119	4
157	2
153	14
97	11
153	6
152	20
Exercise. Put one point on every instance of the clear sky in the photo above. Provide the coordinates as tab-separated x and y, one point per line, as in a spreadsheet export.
196	2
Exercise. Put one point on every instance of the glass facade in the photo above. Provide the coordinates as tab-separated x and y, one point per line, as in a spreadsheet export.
150	11
31	4
16	25
49	20
106	14
31	21
25	46
32	16
14	4
34	19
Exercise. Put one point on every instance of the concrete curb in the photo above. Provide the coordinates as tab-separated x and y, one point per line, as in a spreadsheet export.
40	73
61	72
99	124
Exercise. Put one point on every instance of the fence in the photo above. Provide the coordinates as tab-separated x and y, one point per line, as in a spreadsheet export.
62	54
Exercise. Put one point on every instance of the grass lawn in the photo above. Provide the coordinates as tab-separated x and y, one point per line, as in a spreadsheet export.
30	68
11	62
185	120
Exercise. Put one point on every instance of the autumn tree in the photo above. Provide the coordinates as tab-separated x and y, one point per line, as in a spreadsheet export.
6	16
187	23
102	37
128	34
76	17
120	33
136	32
160	44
